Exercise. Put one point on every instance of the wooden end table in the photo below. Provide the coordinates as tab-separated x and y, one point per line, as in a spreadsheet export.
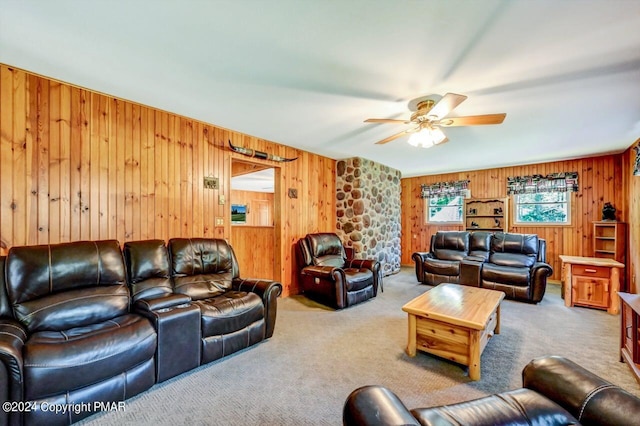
454	322
593	282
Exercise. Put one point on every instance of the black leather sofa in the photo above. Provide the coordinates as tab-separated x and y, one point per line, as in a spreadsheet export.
83	322
509	262
556	391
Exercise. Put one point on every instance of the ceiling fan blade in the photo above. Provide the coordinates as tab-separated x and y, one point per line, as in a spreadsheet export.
472	120
385	120
446	105
390	138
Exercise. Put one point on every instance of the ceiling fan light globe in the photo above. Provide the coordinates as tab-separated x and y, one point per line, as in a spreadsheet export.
421	139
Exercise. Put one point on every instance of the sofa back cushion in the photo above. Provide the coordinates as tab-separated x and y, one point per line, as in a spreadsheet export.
450	245
202	267
147	264
326	249
515	250
480	244
61	286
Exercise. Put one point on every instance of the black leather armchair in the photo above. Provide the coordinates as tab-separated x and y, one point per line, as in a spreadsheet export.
329	276
556	391
235	313
66	333
517	266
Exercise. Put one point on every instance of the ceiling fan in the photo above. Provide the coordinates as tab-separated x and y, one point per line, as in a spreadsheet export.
431	114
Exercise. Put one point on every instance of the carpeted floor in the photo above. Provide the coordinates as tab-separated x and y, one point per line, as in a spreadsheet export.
317	356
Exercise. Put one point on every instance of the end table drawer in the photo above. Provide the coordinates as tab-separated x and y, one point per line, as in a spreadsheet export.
590	271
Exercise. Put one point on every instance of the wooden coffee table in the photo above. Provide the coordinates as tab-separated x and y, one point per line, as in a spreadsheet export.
454	322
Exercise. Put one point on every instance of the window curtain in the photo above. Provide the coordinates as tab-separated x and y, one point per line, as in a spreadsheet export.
554	182
450	189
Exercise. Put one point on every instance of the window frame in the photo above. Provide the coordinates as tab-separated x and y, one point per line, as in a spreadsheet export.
514	213
428	207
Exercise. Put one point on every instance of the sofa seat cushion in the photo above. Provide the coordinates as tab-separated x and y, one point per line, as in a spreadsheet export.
358	278
59	361
229	312
518	407
442	267
506	274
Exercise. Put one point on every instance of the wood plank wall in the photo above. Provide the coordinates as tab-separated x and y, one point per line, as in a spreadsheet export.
600	180
80	165
631	187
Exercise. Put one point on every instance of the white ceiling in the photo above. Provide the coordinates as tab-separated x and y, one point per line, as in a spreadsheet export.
307	73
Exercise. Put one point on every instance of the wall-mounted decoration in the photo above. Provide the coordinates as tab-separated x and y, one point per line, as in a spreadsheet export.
293	193
636	164
239	213
259	154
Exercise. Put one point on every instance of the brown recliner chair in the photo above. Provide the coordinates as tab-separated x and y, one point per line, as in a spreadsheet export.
332	277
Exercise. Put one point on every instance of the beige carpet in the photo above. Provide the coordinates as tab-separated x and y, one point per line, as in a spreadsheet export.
317	356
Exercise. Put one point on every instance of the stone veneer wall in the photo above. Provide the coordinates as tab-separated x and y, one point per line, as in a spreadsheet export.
368	210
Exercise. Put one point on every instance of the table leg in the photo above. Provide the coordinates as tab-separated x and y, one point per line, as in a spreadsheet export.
474	355
614	302
411	346
497	329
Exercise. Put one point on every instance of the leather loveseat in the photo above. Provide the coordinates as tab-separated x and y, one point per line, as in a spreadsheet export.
556	391
509	262
80	325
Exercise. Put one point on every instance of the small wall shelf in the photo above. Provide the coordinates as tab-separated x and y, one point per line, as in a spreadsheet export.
486	214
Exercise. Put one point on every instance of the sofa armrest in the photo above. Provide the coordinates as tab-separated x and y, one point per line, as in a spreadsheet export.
269	291
375	406
12	339
539	273
419	257
160	302
323	272
589	398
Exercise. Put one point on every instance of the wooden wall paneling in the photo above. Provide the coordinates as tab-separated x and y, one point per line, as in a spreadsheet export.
20	155
6	168
76	164
133	229
64	200
54	162
33	144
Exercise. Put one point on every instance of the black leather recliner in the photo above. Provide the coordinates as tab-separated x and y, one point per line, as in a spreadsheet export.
235	313
556	391
62	301
517	266
442	263
330	276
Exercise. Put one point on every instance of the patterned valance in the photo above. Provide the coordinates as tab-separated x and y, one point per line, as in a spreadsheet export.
554	182
451	189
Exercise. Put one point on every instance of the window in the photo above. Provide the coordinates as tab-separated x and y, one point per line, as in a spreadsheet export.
543	208
445	209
